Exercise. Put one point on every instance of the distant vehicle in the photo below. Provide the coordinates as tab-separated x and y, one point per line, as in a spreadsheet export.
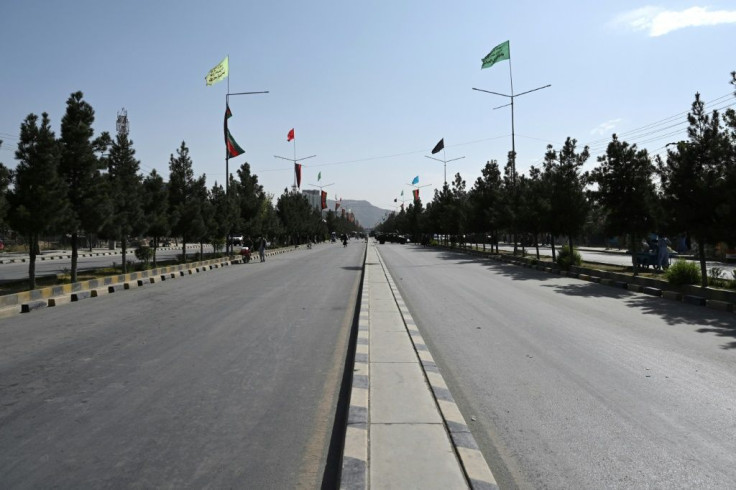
236	239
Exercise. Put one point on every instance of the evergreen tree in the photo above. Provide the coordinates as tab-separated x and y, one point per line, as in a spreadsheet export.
568	202
222	216
80	169
250	202
693	178
155	209
5	177
484	202
125	189
626	192
38	199
185	205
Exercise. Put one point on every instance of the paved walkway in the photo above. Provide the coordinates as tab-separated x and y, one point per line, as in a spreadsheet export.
404	428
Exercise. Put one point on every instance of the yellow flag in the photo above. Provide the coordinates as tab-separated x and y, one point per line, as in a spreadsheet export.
217	73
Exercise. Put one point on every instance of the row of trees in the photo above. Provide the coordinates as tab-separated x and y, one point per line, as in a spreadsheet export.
82	185
691	191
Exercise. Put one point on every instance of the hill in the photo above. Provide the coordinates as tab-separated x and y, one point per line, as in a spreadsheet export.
366	213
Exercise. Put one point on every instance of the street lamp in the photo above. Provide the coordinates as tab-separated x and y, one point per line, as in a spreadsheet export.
513	142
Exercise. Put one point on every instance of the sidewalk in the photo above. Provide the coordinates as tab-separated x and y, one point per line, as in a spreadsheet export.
404	428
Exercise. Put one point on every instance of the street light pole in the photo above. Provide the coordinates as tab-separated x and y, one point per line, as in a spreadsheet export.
445	162
513	138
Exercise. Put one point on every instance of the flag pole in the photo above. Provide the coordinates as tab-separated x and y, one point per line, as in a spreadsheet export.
513	137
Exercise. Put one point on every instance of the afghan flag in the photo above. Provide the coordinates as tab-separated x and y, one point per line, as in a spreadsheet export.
298	173
231	146
499	53
439	146
416	194
290	136
324	199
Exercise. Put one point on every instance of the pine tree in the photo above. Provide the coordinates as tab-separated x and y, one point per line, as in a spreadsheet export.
568	202
80	169
5	176
38	199
126	192
484	199
185	200
626	192
693	180
155	208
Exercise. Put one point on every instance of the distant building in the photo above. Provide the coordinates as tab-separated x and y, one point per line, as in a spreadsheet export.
314	198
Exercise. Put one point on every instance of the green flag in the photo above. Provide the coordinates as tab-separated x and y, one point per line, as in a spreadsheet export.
319	176
499	53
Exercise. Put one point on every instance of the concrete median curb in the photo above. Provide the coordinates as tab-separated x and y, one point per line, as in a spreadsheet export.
377	450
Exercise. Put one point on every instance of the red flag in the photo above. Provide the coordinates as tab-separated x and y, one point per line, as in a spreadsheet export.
298	172
290	136
324	200
416	194
231	146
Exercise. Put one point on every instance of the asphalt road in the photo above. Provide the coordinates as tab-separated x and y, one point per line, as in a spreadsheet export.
224	379
19	270
571	384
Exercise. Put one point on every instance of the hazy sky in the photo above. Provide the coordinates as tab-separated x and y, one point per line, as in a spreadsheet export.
369	87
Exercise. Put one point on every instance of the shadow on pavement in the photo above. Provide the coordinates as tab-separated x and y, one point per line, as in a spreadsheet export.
722	324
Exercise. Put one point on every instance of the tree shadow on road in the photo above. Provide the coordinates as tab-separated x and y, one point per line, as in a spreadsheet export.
721	323
589	289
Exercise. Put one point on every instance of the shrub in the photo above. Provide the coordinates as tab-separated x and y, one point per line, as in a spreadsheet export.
144	254
683	272
567	258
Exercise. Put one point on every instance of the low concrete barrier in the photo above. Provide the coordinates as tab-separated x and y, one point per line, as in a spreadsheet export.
719	305
80	295
692	299
33	305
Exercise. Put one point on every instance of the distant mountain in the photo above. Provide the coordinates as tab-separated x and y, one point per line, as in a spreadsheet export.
366	213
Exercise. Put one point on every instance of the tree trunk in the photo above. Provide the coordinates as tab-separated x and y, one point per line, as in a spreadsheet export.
184	251
536	243
123	246
552	244
569	240
75	255
201	250
155	247
703	272
32	262
633	254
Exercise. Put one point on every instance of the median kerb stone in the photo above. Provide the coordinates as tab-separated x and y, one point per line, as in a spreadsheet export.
80	295
692	299
672	295
651	291
33	305
719	305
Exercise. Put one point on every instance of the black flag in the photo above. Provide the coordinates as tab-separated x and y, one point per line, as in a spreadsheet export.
439	146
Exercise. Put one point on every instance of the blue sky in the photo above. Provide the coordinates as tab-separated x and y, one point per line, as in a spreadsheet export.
370	87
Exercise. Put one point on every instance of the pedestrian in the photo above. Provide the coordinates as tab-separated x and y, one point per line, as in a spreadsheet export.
262	249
